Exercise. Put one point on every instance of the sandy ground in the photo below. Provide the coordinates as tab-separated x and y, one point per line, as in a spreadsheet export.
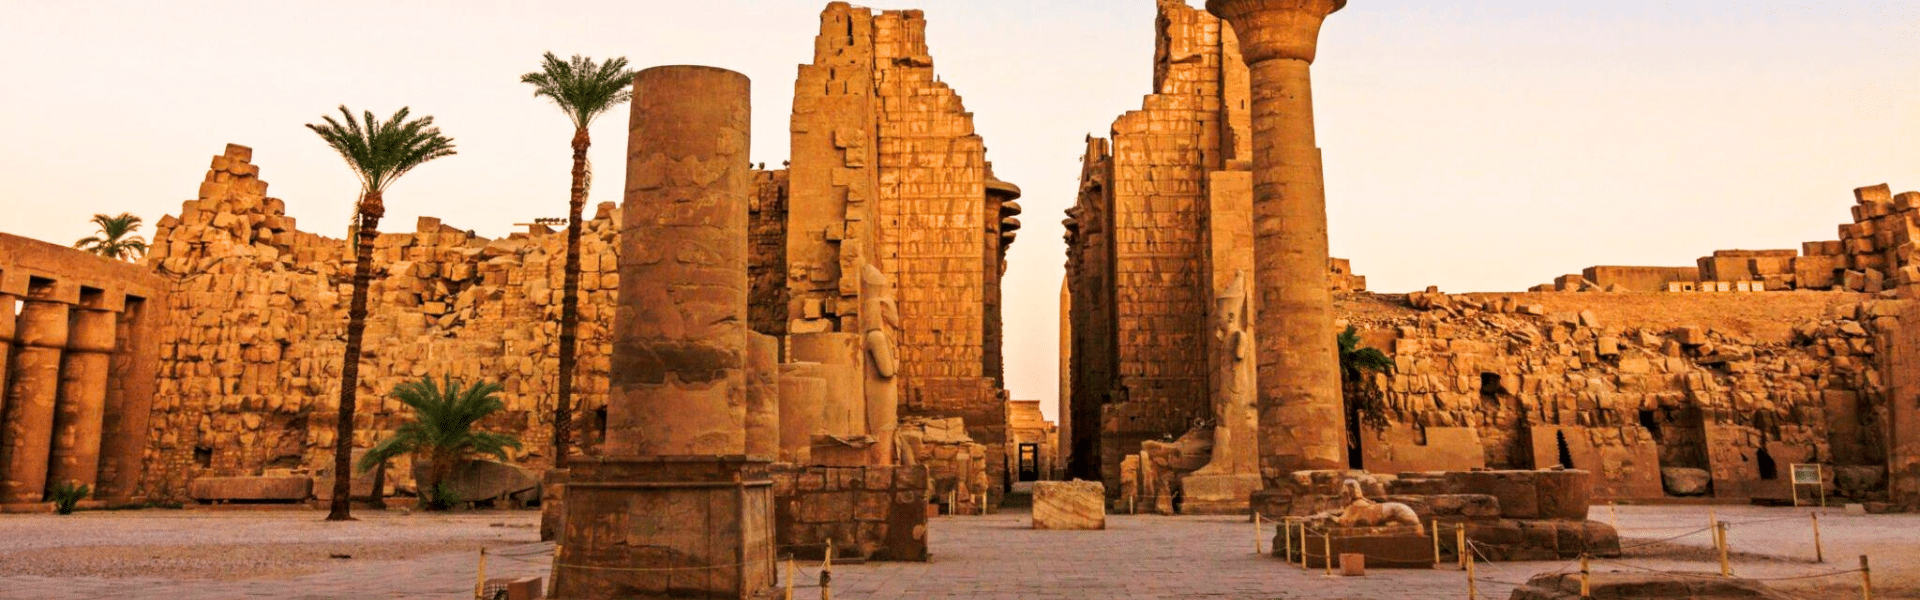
221	545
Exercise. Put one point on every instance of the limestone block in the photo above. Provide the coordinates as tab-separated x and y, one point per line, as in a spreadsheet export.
1069	505
1686	482
223	489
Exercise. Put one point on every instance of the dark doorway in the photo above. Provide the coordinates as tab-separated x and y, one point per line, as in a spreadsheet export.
1029	462
1356	457
1769	471
1566	453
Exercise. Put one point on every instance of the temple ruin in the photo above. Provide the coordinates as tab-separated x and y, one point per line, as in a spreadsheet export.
1656	393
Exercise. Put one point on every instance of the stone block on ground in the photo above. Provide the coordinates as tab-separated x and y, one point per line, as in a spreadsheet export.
251	489
1069	505
486	480
1686	482
1650	586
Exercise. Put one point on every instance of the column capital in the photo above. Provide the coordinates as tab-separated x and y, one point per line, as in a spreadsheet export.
1270	29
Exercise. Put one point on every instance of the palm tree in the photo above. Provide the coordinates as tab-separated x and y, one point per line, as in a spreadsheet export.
116	239
441	433
583	90
1365	406
379	153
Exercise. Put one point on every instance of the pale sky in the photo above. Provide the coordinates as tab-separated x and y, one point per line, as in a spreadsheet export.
1478	145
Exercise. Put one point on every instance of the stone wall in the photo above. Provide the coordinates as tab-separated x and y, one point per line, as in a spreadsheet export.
869	513
1875	253
252	333
1624	391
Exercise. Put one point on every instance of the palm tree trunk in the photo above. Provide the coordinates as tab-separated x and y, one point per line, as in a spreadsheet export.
570	303
371	209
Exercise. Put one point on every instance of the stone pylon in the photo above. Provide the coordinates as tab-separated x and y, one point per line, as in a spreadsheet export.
680	504
1300	403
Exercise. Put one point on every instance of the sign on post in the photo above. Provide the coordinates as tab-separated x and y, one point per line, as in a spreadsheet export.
1809	474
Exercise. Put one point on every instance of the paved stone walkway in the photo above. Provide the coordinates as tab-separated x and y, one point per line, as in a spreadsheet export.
998	557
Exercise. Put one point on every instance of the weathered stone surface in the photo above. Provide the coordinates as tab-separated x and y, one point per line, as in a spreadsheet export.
680	335
1650	586
1686	482
481	480
1069	505
244	489
763	395
872	513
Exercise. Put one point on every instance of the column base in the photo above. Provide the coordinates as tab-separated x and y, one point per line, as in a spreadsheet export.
1226	494
665	527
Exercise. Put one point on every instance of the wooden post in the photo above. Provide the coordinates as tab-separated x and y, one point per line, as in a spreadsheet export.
1286	534
1256	534
1727	570
1866	578
826	573
1303	545
480	578
1586	578
1436	543
1473	587
1460	545
1819	553
1326	541
789	593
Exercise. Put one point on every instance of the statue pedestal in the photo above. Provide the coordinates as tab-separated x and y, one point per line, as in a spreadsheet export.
1218	494
1392	547
660	527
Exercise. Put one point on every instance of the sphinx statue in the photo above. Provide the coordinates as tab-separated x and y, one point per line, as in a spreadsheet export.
1361	512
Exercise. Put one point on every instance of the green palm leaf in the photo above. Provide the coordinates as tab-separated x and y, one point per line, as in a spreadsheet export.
442	430
116	239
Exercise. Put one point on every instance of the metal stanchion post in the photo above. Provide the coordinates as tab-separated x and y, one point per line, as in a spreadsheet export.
1726	569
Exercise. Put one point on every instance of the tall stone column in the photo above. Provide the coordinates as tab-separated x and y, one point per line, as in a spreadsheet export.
6	350
676	507
26	424
1298	366
679	384
79	412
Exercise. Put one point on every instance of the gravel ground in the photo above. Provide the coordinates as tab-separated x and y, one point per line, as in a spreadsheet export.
220	545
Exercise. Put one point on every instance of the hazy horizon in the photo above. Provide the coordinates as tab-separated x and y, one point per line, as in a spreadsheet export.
1482	145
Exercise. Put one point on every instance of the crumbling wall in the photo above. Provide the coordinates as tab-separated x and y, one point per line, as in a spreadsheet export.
255	324
1625	394
767	247
933	189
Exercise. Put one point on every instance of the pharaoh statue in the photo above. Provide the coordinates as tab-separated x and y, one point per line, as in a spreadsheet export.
1232	474
1235	420
879	319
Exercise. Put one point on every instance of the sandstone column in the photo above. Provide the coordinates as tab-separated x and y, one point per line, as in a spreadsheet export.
680	329
1298	374
81	406
26	425
763	396
677	507
6	350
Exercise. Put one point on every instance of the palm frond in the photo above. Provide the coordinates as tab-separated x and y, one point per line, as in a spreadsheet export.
580	87
445	413
381	151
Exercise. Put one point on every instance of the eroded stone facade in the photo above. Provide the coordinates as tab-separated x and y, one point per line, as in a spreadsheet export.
1636	387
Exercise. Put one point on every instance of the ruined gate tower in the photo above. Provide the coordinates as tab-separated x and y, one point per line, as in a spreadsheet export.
1298	374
